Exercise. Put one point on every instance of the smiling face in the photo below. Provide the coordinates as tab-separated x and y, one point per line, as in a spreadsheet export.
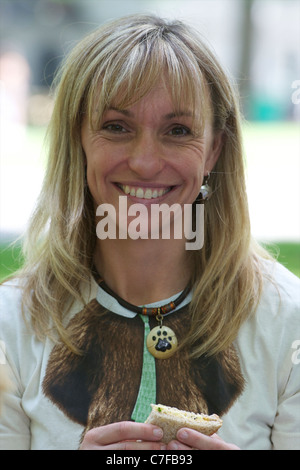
148	153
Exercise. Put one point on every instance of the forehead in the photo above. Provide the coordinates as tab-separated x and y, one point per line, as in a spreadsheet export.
160	101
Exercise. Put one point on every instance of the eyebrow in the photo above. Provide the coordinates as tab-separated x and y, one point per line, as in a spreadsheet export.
122	111
172	115
179	114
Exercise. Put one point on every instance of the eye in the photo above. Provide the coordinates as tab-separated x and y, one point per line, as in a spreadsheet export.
179	131
114	127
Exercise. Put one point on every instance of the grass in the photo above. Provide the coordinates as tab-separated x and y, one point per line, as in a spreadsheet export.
287	254
10	259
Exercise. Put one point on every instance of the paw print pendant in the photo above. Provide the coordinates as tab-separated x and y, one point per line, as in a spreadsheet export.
161	342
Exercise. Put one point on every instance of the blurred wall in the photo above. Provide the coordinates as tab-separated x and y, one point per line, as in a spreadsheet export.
256	40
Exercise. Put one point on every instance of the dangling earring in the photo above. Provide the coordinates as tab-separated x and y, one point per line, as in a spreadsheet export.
205	190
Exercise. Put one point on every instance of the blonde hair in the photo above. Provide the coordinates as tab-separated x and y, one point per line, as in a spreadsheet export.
122	61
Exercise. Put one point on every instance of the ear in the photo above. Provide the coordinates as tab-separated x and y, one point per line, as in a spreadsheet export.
214	151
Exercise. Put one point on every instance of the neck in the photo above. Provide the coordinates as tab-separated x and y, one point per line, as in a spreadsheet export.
142	272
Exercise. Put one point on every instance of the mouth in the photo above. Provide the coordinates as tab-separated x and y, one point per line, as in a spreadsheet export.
144	192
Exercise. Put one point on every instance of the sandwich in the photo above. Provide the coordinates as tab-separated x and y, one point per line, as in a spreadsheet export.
170	420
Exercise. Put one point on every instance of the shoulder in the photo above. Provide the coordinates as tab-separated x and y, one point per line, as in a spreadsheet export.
274	327
280	292
15	336
15	322
10	301
11	294
13	327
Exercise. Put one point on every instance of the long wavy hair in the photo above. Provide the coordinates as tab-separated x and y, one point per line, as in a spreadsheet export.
121	62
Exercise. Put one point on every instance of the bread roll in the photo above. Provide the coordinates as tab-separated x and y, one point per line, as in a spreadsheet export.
170	420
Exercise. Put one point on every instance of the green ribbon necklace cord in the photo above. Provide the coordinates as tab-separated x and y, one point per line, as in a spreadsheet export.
147	390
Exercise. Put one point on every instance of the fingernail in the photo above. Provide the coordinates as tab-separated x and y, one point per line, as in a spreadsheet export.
182	435
173	446
157	432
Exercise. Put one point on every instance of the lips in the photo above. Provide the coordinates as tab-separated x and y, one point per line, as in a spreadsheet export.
144	193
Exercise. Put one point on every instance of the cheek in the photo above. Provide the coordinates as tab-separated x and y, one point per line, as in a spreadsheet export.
93	185
95	175
101	168
97	164
193	171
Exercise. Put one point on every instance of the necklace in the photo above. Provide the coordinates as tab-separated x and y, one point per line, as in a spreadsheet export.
161	341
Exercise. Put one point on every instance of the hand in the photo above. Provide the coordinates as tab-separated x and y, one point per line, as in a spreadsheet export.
189	439
126	435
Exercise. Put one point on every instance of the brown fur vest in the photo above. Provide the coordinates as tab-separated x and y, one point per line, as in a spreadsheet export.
101	386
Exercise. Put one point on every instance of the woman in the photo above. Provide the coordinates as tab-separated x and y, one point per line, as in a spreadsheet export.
114	320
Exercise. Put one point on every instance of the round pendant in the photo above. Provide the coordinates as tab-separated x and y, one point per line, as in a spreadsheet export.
161	342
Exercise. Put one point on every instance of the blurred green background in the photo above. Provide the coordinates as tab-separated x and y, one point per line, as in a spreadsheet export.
287	254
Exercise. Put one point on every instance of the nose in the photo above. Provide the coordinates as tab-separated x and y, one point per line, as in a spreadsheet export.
146	158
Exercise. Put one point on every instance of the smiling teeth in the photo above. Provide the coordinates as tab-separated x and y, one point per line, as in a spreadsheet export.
146	193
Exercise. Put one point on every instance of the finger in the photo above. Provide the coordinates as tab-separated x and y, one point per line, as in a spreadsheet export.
124	431
199	441
125	445
135	445
229	446
176	445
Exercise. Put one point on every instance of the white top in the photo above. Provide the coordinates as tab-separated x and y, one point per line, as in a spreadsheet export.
265	416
